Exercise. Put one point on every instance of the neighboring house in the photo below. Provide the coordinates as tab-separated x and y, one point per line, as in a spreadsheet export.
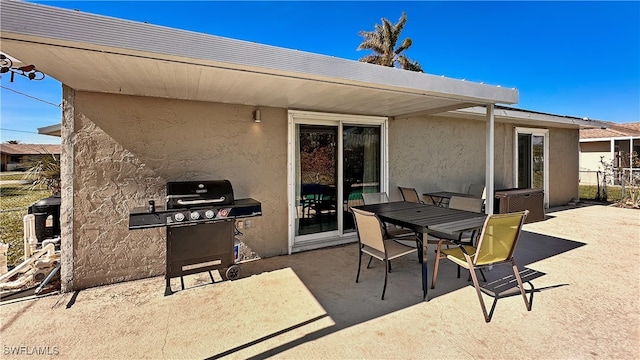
145	104
617	145
20	156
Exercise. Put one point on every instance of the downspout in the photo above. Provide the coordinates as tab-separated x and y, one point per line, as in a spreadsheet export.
490	159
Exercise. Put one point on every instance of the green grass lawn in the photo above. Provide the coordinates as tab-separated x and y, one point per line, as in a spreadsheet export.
12	175
14	201
590	192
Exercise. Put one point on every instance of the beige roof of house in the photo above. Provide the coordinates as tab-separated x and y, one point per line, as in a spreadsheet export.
613	131
30	149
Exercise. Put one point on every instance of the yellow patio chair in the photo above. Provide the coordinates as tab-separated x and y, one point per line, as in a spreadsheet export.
410	194
496	246
371	242
467	238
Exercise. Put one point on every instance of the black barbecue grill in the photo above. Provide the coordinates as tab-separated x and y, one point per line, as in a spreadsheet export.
200	220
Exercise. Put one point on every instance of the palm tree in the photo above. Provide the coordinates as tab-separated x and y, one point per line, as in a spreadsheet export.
45	172
382	41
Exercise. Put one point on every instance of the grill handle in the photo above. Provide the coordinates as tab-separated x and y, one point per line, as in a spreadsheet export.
197	202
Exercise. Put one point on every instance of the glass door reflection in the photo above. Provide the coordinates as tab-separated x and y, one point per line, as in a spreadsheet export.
317	150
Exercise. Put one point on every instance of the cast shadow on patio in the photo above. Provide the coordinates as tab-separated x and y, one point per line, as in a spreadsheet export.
329	276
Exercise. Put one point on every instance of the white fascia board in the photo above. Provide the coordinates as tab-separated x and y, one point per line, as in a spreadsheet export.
607	139
46	24
532	116
51	130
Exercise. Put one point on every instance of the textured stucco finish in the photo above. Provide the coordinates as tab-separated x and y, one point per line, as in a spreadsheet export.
126	148
564	165
441	153
66	184
119	151
445	154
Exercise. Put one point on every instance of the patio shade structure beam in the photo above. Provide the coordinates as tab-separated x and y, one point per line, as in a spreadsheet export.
490	159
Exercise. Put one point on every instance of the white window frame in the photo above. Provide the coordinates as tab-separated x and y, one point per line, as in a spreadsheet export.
536	132
295	117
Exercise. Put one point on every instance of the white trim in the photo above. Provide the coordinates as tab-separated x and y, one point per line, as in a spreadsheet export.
610	138
384	152
536	132
307	116
313	241
612	150
490	158
630	152
291	196
503	114
51	130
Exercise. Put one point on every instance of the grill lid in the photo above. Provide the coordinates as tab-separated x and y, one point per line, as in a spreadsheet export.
185	194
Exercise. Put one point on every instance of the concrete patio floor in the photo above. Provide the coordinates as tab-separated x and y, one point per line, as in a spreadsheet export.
583	264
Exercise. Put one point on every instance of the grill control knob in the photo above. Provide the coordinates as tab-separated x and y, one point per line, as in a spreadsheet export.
179	216
194	215
209	214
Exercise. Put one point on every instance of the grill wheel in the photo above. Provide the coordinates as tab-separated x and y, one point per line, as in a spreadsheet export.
233	272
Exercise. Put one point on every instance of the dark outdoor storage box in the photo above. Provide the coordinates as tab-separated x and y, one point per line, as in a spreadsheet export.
514	200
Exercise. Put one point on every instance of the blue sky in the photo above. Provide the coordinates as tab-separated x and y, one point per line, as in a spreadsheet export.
567	58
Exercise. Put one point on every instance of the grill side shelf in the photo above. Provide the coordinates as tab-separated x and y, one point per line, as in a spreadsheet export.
146	220
141	218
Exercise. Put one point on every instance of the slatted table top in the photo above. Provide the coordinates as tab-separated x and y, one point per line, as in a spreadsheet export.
422	217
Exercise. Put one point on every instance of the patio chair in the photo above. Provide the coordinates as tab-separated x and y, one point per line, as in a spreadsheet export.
410	195
478	190
465	238
496	246
371	242
390	231
375	198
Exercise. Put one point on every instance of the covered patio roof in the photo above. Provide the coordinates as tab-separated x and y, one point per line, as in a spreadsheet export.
51	130
102	54
524	117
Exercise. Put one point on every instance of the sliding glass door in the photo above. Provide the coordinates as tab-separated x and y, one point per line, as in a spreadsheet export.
317	182
532	159
361	163
332	160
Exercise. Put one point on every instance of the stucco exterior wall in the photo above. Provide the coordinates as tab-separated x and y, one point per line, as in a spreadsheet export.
119	152
441	153
124	149
590	153
434	153
563	165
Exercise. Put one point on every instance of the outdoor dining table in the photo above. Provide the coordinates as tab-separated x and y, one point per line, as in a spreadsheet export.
442	195
421	218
